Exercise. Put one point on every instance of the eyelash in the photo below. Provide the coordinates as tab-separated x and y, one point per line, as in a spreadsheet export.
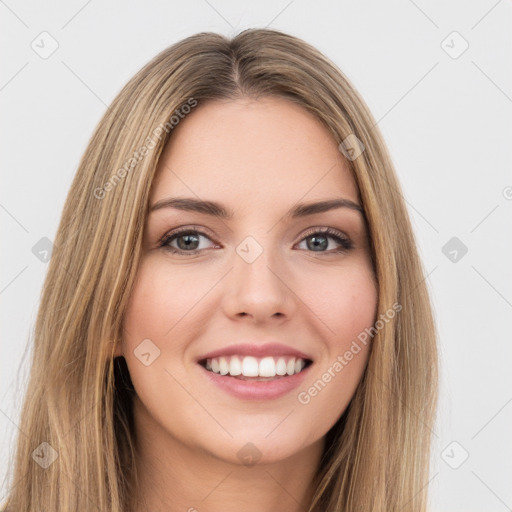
336	235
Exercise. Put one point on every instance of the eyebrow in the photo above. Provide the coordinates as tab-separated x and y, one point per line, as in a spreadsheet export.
218	210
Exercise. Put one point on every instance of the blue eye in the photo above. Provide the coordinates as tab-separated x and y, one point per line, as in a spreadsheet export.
188	241
320	240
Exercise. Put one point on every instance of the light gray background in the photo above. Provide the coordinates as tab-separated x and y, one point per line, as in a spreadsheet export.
447	121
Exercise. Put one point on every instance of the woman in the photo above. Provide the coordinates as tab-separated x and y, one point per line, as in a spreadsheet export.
235	314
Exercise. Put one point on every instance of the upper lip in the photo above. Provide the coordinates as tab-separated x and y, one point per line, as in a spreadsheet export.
249	349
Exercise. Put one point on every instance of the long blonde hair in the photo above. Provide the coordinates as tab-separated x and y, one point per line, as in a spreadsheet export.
79	397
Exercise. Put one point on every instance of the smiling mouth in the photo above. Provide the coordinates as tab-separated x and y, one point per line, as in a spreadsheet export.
255	368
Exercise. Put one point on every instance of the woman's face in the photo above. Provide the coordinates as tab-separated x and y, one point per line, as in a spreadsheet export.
271	283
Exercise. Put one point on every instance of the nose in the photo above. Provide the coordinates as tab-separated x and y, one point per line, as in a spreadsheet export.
260	290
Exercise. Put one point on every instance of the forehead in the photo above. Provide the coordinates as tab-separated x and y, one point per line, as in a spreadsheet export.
248	151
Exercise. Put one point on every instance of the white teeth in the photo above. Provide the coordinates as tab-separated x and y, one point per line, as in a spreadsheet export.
290	367
235	366
281	366
223	366
267	367
249	366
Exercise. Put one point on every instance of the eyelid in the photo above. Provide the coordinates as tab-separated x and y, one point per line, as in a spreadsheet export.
205	232
185	229
200	229
346	241
324	230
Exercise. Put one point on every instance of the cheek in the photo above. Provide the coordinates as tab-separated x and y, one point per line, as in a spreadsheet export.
157	322
152	318
348	307
346	303
160	299
166	307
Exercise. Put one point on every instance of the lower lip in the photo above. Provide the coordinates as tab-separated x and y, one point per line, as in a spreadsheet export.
256	390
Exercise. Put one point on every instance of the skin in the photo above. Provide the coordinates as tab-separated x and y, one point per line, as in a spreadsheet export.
258	158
